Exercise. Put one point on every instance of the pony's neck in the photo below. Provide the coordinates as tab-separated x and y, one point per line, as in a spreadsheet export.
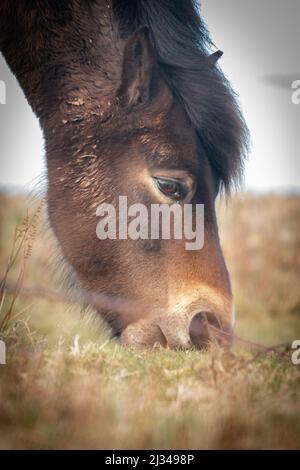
66	56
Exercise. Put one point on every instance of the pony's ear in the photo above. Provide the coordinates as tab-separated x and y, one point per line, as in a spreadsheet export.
213	58
138	69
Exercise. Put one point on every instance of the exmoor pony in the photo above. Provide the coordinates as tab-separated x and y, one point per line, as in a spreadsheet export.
132	102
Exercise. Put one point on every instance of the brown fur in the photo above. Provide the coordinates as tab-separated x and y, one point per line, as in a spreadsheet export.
109	114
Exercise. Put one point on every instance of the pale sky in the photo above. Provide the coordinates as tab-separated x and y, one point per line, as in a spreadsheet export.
260	40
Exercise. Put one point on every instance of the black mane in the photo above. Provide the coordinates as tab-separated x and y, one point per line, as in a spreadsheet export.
182	44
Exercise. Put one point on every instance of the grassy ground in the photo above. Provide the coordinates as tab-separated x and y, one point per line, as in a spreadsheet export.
66	386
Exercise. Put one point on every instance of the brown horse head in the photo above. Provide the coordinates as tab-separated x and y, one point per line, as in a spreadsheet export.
152	118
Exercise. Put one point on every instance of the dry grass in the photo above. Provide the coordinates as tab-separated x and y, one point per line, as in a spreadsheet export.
66	386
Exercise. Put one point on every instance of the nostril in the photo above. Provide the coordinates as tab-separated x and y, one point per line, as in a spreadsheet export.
199	328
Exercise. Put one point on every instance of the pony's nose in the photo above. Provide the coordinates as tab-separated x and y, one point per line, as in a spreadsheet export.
202	328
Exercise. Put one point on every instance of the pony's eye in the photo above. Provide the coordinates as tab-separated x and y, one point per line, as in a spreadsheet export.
171	188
